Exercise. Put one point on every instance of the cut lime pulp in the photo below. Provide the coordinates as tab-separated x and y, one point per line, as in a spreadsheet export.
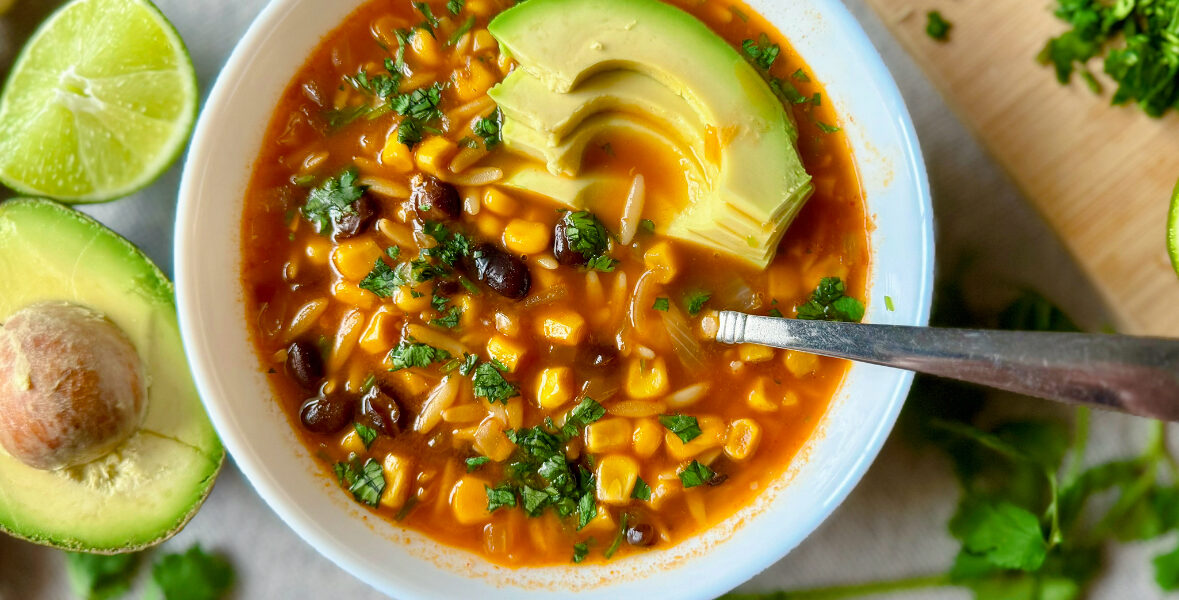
98	104
1173	230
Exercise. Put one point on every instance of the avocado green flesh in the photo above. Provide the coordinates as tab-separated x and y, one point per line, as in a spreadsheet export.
150	486
574	193
757	184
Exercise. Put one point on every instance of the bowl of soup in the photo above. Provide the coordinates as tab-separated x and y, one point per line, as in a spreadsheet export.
449	277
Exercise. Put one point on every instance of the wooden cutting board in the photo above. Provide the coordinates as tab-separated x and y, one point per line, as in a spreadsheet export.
1101	175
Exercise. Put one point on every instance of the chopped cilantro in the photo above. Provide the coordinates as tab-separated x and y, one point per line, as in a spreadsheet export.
642	491
695	474
583	414
587	236
694	301
534	500
468	365
825	128
761	53
685	427
618	537
469	285
193	575
455	6
800	75
889	304
450	320
602	263
776	313
367	434
500	496
828	303
365	481
936	26
490	383
475	462
431	21
452	246
662	304
542	475
580	551
409	354
488	129
382	279
332	200
461	30
647	226
439	302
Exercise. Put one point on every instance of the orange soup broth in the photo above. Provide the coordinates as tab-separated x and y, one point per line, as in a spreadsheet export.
287	265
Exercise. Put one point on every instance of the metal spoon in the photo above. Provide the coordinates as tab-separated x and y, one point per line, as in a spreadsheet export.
1135	375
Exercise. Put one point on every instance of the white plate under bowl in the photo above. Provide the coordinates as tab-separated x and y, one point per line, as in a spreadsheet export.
406	564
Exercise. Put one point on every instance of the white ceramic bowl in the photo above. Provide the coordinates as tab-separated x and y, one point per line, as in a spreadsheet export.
408	565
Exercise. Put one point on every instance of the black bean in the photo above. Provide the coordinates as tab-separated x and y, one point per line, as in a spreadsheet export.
355	222
304	364
379	410
598	355
435	199
502	272
447	287
565	254
325	414
641	534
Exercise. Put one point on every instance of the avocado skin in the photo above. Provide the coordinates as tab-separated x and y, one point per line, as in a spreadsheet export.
86	508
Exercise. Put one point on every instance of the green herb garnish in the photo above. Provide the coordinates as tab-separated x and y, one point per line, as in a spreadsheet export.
366	481
695	474
829	303
455	6
580	551
193	575
490	383
500	496
761	53
618	537
685	427
333	199
448	321
367	434
100	577
662	304
488	128
410	354
936	26
382	280
642	491
694	301
475	462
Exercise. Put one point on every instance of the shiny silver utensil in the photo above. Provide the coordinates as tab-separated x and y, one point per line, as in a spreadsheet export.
1135	375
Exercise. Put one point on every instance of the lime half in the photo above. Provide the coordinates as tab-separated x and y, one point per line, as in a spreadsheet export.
1173	230
99	103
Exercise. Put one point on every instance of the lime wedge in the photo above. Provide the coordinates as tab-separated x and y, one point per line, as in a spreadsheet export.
1173	230
99	103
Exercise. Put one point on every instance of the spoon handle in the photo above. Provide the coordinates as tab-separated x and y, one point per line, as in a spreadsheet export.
1135	375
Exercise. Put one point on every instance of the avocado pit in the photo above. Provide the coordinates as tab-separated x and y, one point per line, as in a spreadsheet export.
72	386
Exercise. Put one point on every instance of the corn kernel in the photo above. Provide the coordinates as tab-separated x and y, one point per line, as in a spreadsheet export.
378	336
351	442
489	225
350	293
515	412
484	41
505	350
411	383
468	498
469	310
464	413
744	435
396	154
563	326
608	435
507	323
481	8
474	81
435	152
412	300
616	478
554	387
646	378
603	522
664	490
318	250
498	202
425	47
661	259
526	237
646	438
490	440
355	258
801	364
758	399
712	435
397	481
755	353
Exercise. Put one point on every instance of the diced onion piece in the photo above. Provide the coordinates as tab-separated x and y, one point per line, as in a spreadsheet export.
686	346
686	397
440	398
632	211
548	297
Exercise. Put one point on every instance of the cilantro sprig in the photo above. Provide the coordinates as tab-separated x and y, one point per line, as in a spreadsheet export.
332	200
829	302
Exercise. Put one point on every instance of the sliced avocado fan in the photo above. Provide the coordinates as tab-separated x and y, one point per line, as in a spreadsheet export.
153	483
648	58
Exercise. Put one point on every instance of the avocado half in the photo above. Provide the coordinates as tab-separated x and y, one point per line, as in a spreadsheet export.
145	490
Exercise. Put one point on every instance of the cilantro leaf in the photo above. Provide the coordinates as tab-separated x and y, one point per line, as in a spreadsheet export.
694	301
366	481
534	500
580	551
936	26
431	21
587	236
332	200
618	537
193	575
695	474
490	383
829	303
382	280
468	365
761	53
475	462
1005	534
367	434
661	304
450	320
1166	570
685	427
647	226
500	496
488	128
602	263
642	491
455	6
409	354
586	412
100	577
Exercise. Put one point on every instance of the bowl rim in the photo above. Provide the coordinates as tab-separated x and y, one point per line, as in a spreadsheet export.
856	44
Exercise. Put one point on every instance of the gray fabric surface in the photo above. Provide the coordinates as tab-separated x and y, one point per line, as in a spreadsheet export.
892	525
